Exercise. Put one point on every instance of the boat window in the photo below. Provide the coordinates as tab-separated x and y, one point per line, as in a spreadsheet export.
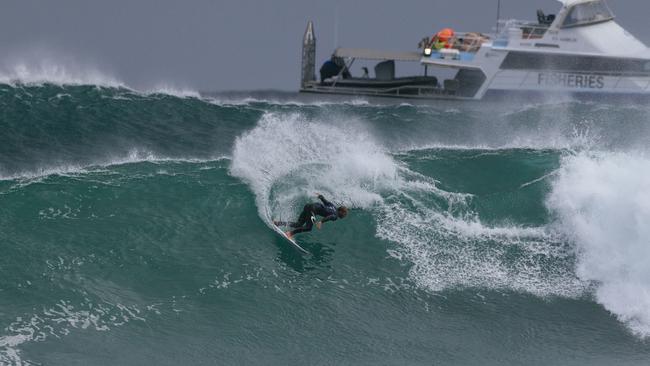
588	13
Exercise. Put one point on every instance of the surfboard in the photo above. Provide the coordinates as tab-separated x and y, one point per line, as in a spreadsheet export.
291	241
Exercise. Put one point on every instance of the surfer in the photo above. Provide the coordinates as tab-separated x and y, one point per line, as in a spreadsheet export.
307	218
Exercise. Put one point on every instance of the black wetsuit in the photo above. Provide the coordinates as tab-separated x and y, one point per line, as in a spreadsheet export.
325	209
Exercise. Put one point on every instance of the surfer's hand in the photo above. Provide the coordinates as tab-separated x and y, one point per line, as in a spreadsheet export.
319	224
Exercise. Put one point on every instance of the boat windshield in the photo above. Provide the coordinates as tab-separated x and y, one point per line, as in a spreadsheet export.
588	13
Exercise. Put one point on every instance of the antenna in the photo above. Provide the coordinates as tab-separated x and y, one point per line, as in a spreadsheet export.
498	14
308	55
336	26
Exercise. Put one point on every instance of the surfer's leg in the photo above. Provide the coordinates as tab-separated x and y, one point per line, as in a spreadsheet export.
303	229
305	217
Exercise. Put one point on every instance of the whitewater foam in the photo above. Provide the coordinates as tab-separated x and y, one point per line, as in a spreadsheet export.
58	321
449	251
602	203
287	157
333	158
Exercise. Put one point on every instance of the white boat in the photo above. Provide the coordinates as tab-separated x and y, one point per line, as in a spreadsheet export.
582	49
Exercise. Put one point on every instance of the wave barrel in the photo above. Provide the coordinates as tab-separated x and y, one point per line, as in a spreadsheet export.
308	56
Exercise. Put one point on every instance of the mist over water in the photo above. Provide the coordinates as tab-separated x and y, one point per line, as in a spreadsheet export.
128	212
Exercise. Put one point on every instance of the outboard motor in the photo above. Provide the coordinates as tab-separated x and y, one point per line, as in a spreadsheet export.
544	19
385	70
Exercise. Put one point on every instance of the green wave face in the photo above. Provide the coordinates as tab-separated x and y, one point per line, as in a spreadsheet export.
134	229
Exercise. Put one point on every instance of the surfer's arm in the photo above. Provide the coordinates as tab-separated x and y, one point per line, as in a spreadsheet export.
328	218
325	219
325	202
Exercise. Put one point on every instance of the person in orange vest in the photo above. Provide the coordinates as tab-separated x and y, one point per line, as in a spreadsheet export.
443	39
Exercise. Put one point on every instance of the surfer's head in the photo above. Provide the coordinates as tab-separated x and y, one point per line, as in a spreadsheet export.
341	212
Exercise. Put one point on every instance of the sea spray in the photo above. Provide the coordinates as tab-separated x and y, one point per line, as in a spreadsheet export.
49	71
291	157
71	73
602	202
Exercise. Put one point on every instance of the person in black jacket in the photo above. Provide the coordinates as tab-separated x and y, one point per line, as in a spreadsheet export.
307	218
332	68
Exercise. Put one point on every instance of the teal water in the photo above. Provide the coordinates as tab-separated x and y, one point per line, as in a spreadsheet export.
134	230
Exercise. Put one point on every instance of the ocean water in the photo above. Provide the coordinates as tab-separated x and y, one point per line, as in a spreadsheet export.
134	229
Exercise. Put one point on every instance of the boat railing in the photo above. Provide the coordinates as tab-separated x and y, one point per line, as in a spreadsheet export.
519	29
469	41
409	91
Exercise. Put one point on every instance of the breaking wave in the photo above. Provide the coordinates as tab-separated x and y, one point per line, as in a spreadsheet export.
286	158
602	202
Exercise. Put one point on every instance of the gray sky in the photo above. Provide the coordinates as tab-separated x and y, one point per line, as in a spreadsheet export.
243	44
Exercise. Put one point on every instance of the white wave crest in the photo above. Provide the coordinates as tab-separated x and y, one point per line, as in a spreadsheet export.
174	91
133	156
71	73
47	71
602	202
293	100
